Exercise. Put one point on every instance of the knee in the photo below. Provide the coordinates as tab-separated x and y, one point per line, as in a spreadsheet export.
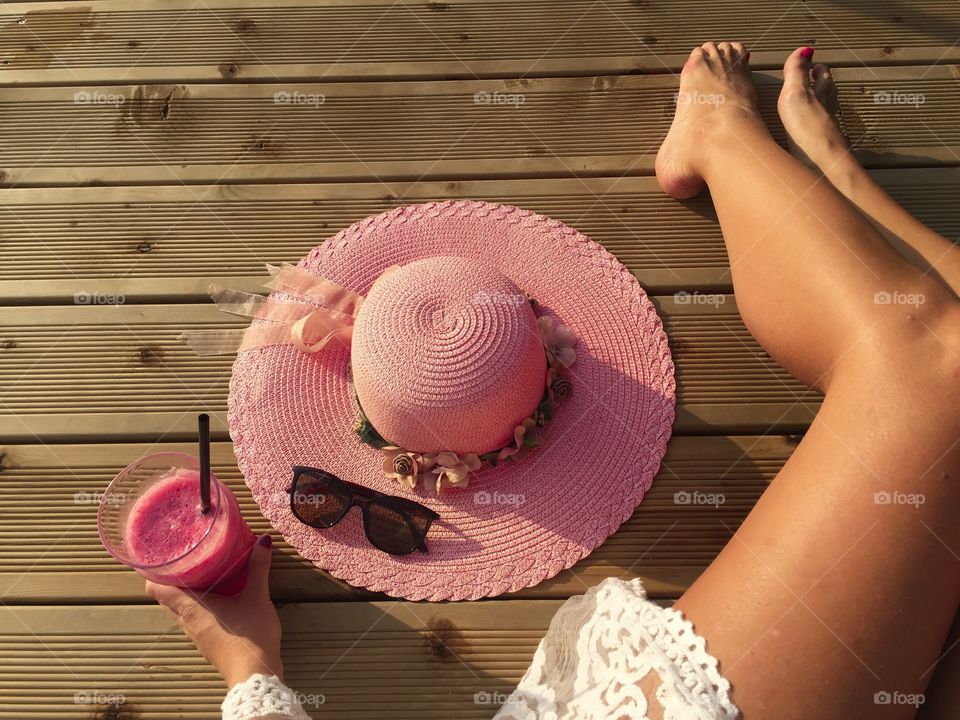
916	337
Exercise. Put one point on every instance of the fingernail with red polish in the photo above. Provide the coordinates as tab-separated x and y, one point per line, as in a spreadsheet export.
807	53
266	541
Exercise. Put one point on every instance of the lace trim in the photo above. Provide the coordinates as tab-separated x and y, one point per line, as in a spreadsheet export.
598	649
262	697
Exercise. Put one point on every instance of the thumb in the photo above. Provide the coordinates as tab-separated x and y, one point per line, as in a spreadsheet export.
258	579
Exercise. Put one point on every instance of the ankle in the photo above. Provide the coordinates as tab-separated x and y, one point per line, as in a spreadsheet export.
733	131
842	169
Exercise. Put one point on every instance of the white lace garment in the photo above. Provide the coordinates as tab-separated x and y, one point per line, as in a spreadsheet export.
262	697
599	647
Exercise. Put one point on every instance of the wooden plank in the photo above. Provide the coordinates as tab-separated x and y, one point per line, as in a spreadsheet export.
725	381
587	126
59	556
178	41
166	244
95	373
359	661
55	554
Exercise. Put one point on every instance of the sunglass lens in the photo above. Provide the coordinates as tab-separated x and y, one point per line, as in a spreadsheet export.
319	500
388	527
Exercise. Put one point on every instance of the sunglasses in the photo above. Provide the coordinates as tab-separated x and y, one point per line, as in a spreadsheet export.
393	524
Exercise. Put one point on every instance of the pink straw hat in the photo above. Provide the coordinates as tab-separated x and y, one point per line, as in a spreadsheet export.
516	372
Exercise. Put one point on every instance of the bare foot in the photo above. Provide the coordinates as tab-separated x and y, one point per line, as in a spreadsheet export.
808	107
716	95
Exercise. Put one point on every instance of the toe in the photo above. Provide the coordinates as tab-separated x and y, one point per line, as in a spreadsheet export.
796	71
738	54
711	50
726	51
824	87
697	56
822	77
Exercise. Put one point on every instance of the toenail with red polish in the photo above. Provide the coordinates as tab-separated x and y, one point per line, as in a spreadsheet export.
807	53
746	55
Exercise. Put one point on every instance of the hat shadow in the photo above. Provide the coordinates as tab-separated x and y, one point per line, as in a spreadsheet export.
704	490
507	493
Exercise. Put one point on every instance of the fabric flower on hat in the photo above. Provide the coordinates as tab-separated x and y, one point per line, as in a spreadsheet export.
559	387
558	339
454	470
407	468
525	438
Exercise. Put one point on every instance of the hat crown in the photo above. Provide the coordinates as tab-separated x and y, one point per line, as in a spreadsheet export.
446	356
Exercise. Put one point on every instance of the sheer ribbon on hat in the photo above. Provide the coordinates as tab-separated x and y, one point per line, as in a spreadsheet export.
309	326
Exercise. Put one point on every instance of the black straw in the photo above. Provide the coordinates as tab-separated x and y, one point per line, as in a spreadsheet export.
203	423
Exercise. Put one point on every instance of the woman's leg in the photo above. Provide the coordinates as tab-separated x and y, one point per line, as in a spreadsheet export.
808	107
941	696
844	579
807	267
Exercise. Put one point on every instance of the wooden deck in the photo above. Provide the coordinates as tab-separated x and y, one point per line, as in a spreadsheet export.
147	146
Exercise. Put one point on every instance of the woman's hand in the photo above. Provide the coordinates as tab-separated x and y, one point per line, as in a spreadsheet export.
240	636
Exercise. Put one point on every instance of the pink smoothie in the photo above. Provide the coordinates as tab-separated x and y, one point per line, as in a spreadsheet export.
174	543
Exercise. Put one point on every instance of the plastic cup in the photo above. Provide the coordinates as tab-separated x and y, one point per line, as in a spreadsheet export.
150	519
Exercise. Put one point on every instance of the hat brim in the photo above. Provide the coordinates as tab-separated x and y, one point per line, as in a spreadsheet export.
519	523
